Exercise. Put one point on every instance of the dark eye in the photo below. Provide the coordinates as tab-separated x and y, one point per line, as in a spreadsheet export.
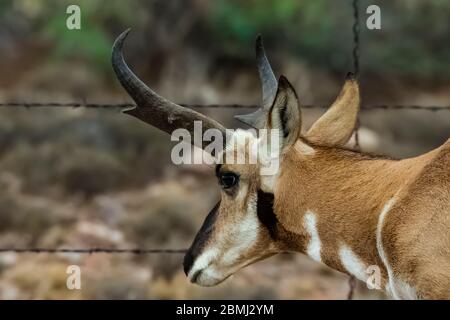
228	179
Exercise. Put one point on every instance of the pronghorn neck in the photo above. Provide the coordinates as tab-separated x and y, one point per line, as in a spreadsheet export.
331	199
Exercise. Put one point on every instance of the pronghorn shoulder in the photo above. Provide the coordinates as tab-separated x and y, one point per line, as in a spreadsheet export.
436	169
428	171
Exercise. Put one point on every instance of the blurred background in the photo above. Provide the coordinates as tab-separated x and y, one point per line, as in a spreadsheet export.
80	178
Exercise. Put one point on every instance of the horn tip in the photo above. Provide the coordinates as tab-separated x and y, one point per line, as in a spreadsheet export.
283	82
126	32
259	46
350	76
121	38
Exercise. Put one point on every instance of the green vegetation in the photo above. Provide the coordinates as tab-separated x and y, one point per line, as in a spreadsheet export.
412	42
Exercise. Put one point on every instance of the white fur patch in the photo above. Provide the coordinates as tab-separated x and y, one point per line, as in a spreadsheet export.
352	263
268	182
383	213
396	287
245	147
243	233
314	245
203	261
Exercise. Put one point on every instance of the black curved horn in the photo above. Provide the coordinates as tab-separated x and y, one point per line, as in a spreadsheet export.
152	108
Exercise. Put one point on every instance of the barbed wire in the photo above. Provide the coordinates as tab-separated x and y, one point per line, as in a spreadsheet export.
136	251
355	52
123	106
355	29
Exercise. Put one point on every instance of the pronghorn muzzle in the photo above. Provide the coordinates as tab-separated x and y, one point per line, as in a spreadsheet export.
191	269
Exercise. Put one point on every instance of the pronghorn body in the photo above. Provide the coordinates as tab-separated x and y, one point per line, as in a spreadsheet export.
354	211
343	208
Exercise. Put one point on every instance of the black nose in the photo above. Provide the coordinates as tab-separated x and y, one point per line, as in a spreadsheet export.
188	261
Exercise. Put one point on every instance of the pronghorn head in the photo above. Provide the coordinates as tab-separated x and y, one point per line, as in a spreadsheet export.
243	227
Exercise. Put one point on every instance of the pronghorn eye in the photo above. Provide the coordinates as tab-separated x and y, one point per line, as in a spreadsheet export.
228	179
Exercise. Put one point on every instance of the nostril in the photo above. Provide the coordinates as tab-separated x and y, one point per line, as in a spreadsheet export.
187	262
195	276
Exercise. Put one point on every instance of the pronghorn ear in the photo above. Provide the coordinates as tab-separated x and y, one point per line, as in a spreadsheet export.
336	126
285	114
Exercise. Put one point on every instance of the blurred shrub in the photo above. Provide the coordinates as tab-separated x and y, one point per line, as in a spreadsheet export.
117	283
245	19
37	278
33	220
164	220
82	154
78	171
94	174
92	43
411	43
167	266
318	31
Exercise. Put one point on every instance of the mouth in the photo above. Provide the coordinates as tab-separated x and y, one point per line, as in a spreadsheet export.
212	275
206	278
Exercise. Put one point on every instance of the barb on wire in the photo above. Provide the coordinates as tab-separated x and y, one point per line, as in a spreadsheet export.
92	250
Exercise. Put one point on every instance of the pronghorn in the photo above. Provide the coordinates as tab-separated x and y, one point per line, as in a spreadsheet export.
341	207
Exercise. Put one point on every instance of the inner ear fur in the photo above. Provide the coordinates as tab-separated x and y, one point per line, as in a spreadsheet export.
285	114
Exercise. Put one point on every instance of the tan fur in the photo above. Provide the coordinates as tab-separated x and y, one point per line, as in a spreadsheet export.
349	191
416	235
336	125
